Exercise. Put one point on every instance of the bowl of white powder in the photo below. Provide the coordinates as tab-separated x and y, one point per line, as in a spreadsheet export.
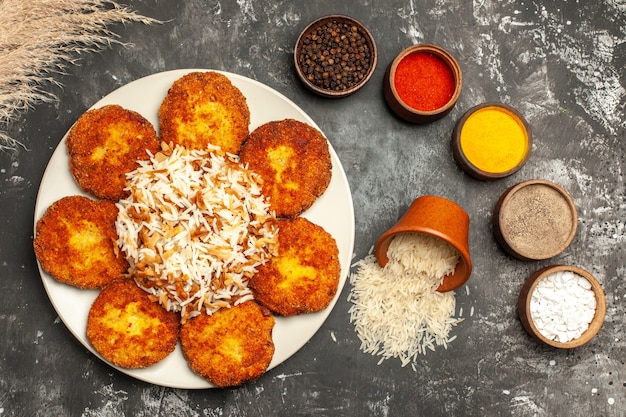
562	306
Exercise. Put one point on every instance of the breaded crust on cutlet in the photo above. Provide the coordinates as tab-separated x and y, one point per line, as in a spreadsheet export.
75	242
203	108
104	145
304	277
128	329
293	159
230	347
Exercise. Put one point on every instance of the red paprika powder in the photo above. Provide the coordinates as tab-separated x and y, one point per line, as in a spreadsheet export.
424	82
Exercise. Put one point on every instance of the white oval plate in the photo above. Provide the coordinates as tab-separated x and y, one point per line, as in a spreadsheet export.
333	211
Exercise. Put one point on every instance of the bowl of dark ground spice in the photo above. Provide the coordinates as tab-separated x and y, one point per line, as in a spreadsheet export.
423	83
534	220
335	56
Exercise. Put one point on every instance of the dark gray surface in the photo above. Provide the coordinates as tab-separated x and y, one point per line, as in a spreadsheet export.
560	63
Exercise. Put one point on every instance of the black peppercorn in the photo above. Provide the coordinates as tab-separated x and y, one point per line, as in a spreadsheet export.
335	56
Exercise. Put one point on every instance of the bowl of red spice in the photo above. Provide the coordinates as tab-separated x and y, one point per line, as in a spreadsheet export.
423	83
335	56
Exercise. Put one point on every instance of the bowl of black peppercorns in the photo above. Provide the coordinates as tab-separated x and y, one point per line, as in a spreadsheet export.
335	56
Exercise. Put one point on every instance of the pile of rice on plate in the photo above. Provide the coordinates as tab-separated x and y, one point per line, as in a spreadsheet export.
195	228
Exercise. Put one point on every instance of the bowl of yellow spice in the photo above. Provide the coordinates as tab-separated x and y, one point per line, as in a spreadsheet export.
491	141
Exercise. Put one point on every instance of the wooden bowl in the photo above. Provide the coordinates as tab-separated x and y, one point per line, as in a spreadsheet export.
534	220
477	146
524	306
438	217
315	70
413	114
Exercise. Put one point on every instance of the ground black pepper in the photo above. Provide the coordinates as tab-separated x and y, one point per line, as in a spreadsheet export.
537	220
335	56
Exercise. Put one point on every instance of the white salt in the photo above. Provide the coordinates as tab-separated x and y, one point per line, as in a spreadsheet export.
562	306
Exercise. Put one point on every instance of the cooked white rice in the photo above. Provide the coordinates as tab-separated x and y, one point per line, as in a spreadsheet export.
397	311
195	228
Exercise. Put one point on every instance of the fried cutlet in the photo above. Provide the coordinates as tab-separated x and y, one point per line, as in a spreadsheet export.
293	159
75	242
304	277
230	347
128	329
104	144
204	108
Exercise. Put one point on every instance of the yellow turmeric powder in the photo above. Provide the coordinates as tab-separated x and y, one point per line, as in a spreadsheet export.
494	139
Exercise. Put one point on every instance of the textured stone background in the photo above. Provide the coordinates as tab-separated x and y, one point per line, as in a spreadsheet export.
560	63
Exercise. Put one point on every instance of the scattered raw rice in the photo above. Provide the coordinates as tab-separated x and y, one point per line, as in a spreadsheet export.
195	228
396	310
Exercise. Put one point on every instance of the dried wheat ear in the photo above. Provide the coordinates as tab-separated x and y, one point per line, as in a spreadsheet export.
41	38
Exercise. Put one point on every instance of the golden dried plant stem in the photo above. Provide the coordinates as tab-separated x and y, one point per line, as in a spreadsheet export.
40	38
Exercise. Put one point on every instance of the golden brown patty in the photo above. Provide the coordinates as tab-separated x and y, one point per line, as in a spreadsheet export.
75	242
230	347
294	161
128	329
104	144
304	277
204	108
